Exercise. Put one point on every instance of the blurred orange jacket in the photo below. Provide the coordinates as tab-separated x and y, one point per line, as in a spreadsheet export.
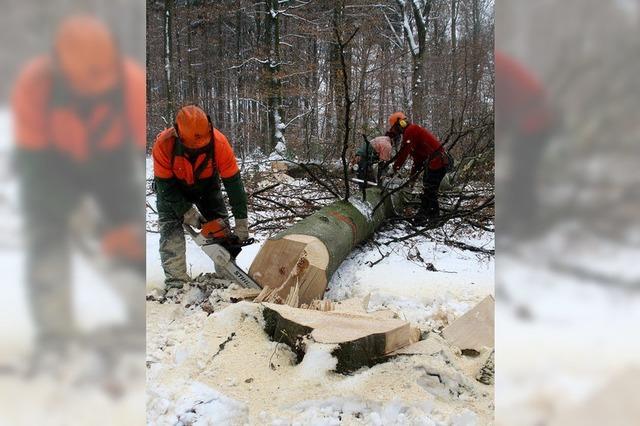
48	116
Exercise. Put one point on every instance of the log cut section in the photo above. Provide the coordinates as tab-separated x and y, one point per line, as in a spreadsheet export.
360	339
307	254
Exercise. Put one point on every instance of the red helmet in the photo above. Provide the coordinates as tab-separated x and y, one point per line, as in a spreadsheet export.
193	127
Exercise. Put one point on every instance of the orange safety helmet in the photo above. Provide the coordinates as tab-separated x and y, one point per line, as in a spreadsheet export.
87	55
193	127
400	118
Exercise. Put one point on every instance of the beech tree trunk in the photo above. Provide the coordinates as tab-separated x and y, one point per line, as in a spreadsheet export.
307	254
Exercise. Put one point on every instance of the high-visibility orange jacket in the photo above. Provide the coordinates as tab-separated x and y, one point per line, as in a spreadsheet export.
48	116
179	173
170	162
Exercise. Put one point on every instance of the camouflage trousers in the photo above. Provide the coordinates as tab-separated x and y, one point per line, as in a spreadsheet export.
172	241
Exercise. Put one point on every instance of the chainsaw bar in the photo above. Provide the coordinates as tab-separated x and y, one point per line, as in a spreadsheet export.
223	254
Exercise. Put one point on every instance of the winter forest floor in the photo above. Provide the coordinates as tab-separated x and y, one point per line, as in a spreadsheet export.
212	362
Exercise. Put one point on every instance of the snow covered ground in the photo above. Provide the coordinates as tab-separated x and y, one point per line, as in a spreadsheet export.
223	369
566	345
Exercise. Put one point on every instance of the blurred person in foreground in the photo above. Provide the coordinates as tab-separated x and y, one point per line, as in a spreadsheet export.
79	120
189	160
526	123
429	155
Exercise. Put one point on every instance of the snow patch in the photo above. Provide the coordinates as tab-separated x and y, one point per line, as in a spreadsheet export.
338	410
199	405
279	152
317	361
465	418
231	317
364	207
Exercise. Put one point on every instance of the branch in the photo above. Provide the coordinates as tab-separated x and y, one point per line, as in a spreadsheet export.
265	189
315	178
442	220
465	246
347	110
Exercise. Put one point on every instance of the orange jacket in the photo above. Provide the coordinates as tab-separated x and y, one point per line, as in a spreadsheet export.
46	119
167	164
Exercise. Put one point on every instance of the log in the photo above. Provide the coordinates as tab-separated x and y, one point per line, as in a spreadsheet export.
308	253
359	339
475	329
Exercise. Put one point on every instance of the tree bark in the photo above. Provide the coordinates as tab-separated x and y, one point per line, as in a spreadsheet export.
418	48
168	63
453	93
272	68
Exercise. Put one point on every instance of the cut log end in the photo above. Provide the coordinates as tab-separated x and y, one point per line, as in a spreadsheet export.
294	261
360	339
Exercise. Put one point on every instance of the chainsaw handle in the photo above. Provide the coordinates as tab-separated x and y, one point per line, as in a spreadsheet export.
190	230
248	242
234	241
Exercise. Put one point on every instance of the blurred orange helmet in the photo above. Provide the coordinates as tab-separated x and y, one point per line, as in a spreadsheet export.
87	55
193	127
398	117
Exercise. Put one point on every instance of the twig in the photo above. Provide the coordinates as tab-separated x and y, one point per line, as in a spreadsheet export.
223	344
265	189
151	208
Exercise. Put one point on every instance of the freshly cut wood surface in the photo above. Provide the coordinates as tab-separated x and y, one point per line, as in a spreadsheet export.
475	329
275	260
361	339
317	252
293	261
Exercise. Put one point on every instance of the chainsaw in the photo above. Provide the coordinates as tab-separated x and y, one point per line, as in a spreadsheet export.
223	247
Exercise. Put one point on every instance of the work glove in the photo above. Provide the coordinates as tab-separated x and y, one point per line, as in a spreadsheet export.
193	218
242	229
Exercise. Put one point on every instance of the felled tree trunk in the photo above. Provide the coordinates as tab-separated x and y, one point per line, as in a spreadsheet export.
307	254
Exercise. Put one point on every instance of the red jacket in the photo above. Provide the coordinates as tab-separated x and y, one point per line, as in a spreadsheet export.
521	101
422	145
